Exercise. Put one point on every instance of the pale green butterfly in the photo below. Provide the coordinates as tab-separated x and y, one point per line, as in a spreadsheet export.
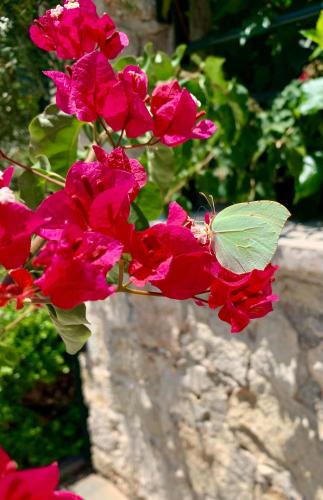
245	235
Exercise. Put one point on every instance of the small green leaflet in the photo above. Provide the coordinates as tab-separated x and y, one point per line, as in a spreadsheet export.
245	235
70	325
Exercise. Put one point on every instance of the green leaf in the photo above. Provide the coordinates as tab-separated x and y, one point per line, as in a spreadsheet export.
213	68
311	35
311	177
161	166
150	201
312	97
163	67
137	217
70	325
245	235
178	55
54	135
32	189
122	62
319	26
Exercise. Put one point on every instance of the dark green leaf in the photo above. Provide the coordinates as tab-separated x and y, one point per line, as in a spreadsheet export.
311	177
178	55
137	218
54	135
213	68
161	166
150	201
70	326
32	189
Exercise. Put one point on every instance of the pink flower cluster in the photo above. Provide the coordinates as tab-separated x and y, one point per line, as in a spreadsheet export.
86	225
30	484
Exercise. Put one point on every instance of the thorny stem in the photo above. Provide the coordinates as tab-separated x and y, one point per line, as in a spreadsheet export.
120	277
106	130
31	170
100	140
144	144
120	138
201	300
140	292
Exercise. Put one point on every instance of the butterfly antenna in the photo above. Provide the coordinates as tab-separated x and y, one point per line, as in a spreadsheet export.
210	201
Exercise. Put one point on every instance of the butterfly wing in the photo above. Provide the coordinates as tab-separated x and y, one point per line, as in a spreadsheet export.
245	235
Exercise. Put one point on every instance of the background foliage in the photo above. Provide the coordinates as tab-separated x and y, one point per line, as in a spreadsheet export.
41	417
23	90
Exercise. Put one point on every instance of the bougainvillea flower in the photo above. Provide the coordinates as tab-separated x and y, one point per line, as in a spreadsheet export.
94	198
118	160
17	223
242	297
5	177
74	29
18	285
31	484
119	99
125	107
169	257
84	90
77	266
175	115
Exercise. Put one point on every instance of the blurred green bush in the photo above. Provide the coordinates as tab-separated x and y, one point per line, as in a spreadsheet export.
41	419
258	152
23	89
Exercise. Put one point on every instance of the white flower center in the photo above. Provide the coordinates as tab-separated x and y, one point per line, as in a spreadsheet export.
6	195
56	13
200	232
71	5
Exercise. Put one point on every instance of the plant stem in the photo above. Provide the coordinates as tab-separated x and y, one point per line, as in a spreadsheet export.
30	169
106	130
120	277
17	320
145	293
143	145
120	138
201	300
98	142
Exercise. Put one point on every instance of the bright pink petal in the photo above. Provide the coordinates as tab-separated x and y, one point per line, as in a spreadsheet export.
116	110
6	176
6	464
118	160
93	78
63	93
203	130
66	495
176	214
17	223
139	120
115	44
38	38
59	210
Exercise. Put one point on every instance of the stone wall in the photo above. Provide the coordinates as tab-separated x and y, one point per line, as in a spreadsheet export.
138	19
182	410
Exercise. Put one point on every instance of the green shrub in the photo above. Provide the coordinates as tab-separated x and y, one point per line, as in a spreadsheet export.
40	417
272	152
23	88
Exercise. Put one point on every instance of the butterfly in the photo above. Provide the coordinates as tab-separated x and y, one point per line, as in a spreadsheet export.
245	236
